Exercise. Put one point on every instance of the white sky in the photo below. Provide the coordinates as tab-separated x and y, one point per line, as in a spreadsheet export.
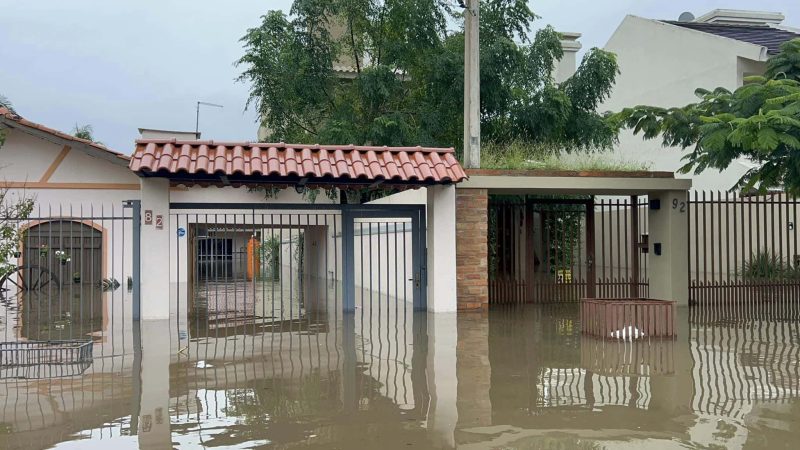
123	64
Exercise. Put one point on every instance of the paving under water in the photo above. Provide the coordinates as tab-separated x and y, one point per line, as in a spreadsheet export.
519	377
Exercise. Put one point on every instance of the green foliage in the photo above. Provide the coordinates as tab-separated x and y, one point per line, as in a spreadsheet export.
85	132
759	121
521	155
13	211
390	73
271	254
767	265
5	103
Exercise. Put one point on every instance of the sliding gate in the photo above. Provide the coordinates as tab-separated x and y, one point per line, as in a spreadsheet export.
262	266
555	250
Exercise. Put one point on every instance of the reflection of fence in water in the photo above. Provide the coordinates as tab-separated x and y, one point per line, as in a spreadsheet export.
302	368
737	365
574	386
40	413
642	357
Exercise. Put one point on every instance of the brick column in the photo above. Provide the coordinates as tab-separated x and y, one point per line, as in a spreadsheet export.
472	257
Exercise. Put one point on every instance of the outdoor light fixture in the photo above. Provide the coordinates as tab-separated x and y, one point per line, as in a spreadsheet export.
301	186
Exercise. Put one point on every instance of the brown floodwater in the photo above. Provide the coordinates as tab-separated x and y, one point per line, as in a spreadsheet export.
511	378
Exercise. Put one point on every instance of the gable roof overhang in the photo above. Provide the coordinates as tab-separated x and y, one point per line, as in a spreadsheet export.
16	122
209	163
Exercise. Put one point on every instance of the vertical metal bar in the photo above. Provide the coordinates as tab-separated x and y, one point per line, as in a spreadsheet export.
736	239
136	274
619	252
634	243
591	278
348	269
603	245
719	234
705	251
529	250
419	260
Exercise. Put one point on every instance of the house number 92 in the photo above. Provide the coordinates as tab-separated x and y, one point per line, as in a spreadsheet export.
677	204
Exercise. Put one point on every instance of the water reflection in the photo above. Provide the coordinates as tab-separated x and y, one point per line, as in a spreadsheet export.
389	378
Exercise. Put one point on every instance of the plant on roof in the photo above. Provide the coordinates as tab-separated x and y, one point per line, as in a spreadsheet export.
759	121
85	132
5	103
391	73
523	155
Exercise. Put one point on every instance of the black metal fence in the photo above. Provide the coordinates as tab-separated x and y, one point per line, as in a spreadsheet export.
70	275
269	267
743	249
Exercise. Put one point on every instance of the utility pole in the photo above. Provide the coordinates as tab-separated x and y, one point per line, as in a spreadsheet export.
472	82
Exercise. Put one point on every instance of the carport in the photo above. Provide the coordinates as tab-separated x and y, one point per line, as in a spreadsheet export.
538	236
361	256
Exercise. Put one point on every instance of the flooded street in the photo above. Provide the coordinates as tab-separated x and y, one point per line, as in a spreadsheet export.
511	378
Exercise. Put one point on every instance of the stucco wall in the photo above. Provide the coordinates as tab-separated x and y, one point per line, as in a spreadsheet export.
662	65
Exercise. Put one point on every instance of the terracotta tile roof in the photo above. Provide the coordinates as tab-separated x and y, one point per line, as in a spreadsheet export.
14	120
283	162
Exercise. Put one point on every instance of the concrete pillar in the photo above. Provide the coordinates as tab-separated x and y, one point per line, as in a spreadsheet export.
669	236
154	423
316	254
441	235
565	67
156	267
472	82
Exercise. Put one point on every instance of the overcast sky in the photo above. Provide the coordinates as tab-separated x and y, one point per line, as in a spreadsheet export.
124	64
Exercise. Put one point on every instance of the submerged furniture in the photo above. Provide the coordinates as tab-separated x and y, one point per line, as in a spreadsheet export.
44	359
628	319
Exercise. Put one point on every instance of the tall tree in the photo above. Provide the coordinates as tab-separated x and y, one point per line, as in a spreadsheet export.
759	121
388	72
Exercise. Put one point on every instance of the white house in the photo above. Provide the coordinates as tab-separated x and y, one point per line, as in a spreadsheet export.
663	62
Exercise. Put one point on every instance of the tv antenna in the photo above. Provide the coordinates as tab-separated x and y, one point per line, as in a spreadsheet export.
197	117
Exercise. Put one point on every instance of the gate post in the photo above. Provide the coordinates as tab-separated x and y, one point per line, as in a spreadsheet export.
155	261
591	276
441	231
669	248
136	250
348	263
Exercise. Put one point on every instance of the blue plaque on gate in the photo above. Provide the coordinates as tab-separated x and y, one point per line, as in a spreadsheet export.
181	232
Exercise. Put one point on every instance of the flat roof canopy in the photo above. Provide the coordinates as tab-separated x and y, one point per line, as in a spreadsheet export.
553	182
252	164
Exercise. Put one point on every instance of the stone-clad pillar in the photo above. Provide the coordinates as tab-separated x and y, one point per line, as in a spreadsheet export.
155	261
472	257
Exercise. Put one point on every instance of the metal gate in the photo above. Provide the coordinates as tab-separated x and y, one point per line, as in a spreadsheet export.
554	250
71	274
262	266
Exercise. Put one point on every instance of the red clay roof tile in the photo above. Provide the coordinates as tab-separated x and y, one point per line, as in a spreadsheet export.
165	157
